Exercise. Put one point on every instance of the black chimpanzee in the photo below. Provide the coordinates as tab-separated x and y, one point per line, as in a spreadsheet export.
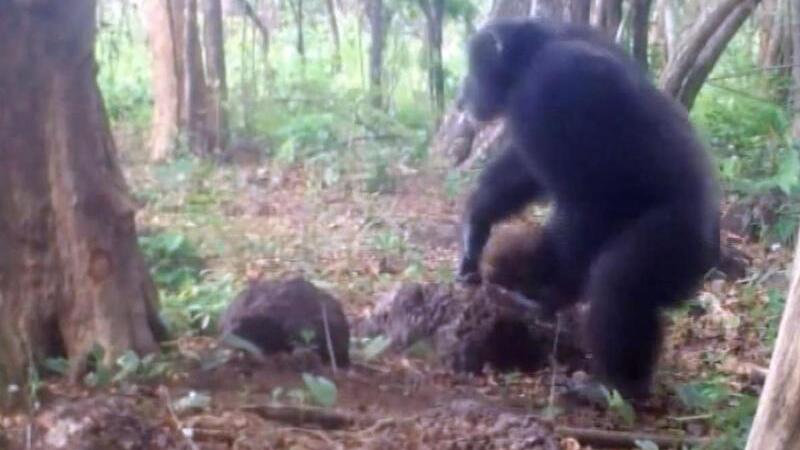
635	220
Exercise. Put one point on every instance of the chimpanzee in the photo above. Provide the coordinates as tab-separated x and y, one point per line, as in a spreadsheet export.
635	220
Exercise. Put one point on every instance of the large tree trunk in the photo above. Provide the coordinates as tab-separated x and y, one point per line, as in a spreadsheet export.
774	27
217	93
777	422
681	64
711	52
164	31
641	30
337	47
377	25
71	275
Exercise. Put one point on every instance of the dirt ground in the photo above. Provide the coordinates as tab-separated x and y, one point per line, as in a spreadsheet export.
357	245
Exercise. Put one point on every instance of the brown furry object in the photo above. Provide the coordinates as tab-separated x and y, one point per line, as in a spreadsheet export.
508	255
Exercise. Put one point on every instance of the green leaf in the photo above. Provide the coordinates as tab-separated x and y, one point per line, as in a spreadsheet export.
644	444
617	404
129	364
192	401
323	391
57	365
376	347
242	344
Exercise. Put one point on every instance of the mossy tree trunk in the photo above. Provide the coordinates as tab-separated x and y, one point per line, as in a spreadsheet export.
71	275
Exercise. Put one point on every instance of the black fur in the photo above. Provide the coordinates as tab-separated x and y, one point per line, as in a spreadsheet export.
635	219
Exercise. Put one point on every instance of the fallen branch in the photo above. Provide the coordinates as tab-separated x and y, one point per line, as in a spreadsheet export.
328	419
615	439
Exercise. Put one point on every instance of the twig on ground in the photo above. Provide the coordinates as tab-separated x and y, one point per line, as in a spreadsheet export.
614	439
328	419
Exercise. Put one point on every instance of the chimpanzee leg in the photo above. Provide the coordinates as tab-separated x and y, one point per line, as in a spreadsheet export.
655	262
505	187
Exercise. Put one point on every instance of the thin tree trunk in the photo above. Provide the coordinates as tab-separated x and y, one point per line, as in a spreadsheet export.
683	60
434	17
217	96
193	84
609	16
163	31
777	422
579	11
297	9
549	9
641	30
711	52
259	24
71	275
510	8
334	22
670	19
378	34
795	15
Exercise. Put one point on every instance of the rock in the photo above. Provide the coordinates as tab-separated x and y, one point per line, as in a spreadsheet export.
278	316
471	327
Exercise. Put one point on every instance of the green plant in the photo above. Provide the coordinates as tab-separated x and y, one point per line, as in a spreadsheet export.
173	259
321	390
731	413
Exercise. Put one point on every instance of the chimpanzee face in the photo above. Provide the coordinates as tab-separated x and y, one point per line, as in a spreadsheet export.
486	86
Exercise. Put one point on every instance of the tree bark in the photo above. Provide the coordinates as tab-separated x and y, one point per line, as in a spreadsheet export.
297	9
163	32
434	18
641	30
511	8
579	11
669	17
217	92
774	27
795	15
609	16
194	102
549	9
334	23
711	53
777	422
377	22
71	275
681	63
259	24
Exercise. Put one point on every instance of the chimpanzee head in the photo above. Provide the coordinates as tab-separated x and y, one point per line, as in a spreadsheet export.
499	54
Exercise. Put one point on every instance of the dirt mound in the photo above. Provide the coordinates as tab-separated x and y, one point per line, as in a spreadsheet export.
470	328
278	316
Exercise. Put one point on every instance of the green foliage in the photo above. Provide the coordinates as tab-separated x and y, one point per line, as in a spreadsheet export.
730	412
174	262
192	298
124	67
371	348
322	390
618	406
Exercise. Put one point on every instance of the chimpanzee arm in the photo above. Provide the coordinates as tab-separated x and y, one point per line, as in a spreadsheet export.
505	187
